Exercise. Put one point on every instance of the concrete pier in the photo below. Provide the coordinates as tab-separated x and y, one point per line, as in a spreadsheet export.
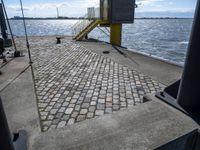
81	98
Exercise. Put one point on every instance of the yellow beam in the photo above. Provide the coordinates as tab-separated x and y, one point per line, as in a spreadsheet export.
115	34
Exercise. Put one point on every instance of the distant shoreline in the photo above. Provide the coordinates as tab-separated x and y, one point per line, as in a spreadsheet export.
85	18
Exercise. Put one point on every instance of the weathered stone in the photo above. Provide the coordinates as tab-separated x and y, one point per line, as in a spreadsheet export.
83	111
80	118
53	111
61	124
74	114
68	111
99	112
67	86
90	115
101	101
71	121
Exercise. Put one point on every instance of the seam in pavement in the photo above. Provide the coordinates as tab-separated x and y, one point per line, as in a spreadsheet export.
15	78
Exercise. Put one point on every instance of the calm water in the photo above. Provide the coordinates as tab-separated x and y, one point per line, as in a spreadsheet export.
164	38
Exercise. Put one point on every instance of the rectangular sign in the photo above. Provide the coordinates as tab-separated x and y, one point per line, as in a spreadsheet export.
121	11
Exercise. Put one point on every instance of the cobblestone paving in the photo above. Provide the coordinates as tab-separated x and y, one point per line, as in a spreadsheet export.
74	84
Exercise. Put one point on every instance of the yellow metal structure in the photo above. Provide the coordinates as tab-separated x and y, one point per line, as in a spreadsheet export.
115	31
88	29
115	34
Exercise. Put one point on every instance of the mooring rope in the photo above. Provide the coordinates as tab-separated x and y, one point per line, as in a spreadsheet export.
25	30
15	47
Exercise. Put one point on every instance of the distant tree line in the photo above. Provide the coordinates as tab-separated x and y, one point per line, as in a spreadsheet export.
42	18
77	18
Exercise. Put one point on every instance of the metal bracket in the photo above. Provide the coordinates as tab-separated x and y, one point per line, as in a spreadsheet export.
170	95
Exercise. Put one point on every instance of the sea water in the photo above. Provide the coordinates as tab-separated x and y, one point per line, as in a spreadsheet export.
162	38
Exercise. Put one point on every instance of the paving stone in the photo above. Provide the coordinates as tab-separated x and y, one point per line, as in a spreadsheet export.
90	115
62	109
74	114
93	103
68	111
99	112
92	108
55	121
46	123
100	106
42	113
61	124
77	107
108	110
65	117
43	117
83	111
71	105
85	105
66	86
58	105
80	118
59	115
65	104
53	111
71	121
50	117
101	101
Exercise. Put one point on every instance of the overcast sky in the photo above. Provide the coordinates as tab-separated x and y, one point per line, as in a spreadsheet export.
77	8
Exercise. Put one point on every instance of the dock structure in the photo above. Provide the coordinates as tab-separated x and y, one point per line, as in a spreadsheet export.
82	98
112	14
74	84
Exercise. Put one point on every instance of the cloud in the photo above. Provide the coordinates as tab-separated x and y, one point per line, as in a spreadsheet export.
77	8
144	2
70	8
162	6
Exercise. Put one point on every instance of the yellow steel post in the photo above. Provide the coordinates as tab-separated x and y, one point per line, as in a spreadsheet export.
115	34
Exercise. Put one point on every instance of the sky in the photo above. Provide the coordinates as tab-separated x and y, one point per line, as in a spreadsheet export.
78	8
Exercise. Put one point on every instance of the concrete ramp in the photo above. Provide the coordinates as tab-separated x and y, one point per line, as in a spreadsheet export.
143	127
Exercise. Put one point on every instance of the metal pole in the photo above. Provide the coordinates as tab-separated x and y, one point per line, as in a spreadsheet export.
189	91
5	136
3	23
26	35
13	40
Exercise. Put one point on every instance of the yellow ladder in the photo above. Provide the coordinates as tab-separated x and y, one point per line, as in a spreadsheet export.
87	30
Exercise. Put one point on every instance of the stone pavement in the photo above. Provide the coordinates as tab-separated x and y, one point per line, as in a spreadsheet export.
74	84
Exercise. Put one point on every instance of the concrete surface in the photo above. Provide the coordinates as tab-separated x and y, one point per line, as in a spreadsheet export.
158	70
74	84
18	97
12	69
145	127
140	127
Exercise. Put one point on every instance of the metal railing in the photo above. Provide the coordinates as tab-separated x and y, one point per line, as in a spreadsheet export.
92	14
80	25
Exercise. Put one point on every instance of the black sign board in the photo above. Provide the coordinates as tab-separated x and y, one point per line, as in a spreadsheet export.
121	11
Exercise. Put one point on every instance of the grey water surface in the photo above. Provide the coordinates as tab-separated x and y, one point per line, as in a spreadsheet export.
162	38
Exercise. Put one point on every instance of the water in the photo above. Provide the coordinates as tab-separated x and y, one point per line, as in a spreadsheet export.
163	38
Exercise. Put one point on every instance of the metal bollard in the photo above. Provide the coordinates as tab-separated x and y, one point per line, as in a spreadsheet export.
58	40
